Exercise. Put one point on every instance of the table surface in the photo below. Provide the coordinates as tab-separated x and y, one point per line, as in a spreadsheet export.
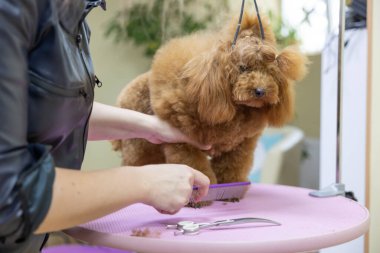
307	223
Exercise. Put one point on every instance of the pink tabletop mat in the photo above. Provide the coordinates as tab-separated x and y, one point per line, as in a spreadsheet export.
69	248
307	223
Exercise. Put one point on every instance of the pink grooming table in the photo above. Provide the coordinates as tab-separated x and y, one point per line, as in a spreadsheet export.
308	223
71	248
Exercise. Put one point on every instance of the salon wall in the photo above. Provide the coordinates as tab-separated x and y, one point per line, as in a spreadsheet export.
115	65
374	126
308	92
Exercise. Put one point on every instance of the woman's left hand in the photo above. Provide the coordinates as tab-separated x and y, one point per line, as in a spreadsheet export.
113	123
163	132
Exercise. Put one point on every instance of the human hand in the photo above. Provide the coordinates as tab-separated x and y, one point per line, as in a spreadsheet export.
163	132
113	123
168	187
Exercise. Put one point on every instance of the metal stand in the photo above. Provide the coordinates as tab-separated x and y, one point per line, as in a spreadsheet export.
332	190
337	188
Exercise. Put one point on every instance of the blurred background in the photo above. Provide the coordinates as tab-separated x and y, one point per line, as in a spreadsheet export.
126	36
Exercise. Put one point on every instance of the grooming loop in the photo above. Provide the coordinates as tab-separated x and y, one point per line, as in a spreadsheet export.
241	17
193	228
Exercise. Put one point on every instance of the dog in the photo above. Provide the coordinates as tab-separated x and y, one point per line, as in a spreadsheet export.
216	93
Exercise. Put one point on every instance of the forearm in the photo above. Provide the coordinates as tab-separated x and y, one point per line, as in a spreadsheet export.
79	197
113	123
110	123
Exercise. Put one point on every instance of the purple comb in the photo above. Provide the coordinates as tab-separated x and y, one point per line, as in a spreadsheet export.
223	191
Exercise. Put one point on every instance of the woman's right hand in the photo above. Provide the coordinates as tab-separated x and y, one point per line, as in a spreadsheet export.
168	187
92	194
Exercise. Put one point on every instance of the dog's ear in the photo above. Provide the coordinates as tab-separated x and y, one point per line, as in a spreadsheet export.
283	111
292	63
208	86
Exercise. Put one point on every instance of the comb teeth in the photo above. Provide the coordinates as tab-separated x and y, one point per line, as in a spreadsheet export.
223	191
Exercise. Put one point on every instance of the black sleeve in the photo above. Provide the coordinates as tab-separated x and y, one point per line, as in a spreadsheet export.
26	170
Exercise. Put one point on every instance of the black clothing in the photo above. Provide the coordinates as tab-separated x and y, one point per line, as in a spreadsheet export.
356	15
359	7
46	96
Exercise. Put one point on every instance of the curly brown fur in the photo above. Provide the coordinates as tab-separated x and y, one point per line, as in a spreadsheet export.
216	95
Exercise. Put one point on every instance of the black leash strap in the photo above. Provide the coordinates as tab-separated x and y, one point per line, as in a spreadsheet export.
239	23
260	23
241	17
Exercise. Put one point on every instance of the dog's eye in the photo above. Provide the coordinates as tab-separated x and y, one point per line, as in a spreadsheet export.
243	68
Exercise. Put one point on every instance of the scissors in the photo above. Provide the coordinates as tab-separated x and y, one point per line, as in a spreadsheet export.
193	228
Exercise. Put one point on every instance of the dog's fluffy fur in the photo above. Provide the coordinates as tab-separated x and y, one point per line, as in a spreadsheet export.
217	95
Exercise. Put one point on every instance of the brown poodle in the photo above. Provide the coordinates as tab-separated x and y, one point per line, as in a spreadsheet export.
217	95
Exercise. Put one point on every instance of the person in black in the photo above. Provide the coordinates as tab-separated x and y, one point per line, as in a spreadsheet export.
46	115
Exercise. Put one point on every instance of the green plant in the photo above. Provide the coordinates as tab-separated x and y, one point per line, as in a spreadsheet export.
151	23
285	34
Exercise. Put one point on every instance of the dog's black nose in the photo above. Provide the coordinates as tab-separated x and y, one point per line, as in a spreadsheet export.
259	92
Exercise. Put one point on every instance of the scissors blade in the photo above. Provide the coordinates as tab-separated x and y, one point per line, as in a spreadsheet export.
193	228
244	220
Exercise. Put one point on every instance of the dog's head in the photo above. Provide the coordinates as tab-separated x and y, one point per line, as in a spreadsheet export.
253	73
